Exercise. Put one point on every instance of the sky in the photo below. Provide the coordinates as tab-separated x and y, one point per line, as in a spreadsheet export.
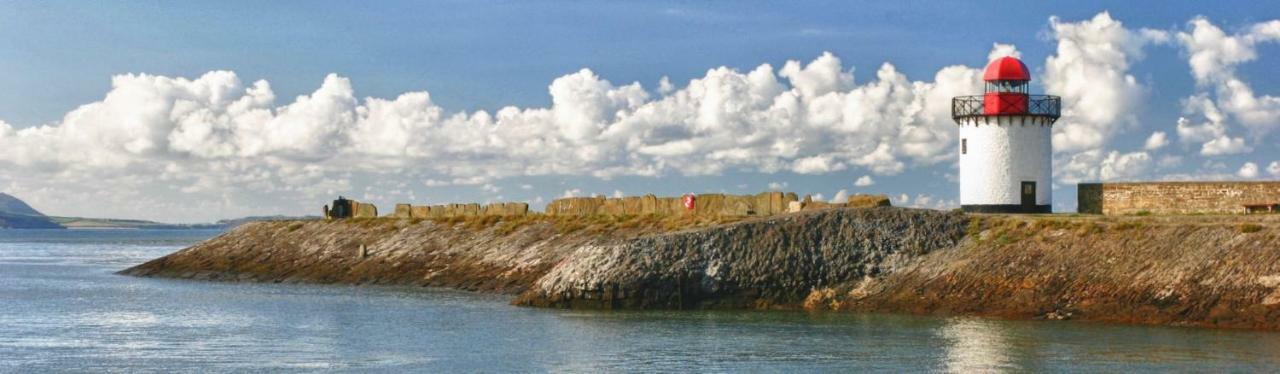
192	112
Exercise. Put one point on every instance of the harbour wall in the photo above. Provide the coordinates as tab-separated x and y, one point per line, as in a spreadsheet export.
1174	197
711	204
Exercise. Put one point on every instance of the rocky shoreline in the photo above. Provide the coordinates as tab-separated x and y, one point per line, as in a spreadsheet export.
1212	271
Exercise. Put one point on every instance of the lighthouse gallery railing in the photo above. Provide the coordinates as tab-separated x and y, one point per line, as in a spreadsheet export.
1037	105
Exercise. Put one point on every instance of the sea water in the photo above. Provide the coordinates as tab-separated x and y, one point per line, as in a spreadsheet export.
62	308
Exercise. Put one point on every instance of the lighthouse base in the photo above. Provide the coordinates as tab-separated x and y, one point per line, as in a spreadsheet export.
1006	208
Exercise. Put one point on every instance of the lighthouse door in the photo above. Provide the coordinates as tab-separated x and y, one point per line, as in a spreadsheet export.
1028	194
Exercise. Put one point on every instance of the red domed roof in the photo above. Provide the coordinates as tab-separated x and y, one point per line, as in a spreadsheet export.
1006	69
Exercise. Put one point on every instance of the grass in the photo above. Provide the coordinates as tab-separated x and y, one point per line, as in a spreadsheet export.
1249	227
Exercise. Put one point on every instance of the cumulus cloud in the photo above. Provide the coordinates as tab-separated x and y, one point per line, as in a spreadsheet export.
1099	165
1156	141
864	181
1274	168
1090	71
1124	165
1224	99
999	50
841	196
926	201
215	135
1249	170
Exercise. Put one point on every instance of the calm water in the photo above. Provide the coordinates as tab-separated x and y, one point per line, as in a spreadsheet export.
61	308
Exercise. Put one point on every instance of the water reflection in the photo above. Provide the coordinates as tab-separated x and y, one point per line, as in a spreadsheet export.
978	346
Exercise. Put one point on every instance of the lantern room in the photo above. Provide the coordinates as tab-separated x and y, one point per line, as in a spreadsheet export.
1006	87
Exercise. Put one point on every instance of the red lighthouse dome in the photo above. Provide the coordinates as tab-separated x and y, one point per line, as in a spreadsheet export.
1006	69
1007	79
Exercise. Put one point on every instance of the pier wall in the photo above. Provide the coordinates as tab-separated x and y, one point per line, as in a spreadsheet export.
1174	197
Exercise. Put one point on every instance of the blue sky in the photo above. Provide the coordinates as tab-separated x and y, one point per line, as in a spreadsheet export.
483	56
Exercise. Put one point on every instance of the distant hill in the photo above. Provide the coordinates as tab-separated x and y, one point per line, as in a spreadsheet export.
109	223
16	214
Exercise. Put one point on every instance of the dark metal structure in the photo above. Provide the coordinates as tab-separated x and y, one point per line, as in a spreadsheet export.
1049	106
342	208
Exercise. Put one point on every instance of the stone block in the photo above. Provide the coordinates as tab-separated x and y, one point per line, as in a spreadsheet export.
403	211
868	201
364	210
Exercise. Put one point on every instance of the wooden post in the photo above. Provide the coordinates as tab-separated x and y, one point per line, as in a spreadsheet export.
363	252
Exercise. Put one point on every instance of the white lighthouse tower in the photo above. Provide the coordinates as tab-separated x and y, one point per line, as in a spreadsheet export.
1006	150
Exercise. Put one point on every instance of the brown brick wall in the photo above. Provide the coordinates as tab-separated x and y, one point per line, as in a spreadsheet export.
1174	197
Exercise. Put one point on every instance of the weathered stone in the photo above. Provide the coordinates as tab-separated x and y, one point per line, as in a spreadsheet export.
403	211
1174	197
420	212
364	210
794	206
868	201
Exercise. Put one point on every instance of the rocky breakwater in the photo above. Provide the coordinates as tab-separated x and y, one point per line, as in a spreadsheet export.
754	264
476	255
490	253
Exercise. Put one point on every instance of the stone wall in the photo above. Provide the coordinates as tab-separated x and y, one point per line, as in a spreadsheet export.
460	210
855	201
363	210
1174	197
762	204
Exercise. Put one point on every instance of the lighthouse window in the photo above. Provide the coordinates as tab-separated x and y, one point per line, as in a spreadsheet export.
964	146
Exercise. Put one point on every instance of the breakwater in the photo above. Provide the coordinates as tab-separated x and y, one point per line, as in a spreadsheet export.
1219	271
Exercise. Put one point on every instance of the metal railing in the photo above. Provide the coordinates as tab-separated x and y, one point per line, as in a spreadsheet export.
1037	105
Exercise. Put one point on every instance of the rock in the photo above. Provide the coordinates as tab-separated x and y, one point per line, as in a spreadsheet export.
868	201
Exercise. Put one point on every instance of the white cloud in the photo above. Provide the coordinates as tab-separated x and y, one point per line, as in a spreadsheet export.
841	196
1224	99
1224	145
777	186
999	50
1274	168
1249	170
572	192
864	181
927	201
1156	141
1089	70
1127	165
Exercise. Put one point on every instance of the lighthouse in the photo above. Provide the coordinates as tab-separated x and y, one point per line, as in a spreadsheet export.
1006	150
